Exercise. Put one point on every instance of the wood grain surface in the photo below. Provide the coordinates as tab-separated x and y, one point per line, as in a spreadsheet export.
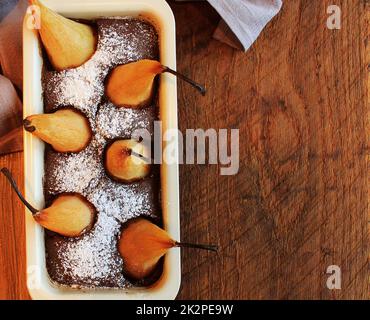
300	200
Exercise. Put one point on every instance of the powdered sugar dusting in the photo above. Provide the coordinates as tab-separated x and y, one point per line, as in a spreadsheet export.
93	260
112	122
121	201
76	172
82	87
130	47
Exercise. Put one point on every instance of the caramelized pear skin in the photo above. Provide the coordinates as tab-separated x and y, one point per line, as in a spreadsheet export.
68	43
142	244
125	160
70	214
66	130
132	85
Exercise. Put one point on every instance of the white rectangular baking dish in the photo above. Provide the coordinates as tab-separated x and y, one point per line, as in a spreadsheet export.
160	14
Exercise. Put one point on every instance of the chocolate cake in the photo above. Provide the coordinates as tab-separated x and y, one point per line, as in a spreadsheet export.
92	260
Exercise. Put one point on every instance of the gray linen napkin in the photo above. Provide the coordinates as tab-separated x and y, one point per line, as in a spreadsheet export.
245	18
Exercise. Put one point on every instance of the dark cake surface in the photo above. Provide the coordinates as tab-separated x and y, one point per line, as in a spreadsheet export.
92	260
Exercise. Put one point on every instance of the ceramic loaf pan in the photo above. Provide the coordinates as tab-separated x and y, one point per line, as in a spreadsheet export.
160	15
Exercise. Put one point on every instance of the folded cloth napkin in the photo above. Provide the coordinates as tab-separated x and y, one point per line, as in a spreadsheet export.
11	78
243	20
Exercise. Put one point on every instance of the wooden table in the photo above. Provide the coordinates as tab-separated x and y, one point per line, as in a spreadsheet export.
300	200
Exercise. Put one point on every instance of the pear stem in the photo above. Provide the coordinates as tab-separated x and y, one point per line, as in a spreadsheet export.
208	247
140	156
201	88
8	175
